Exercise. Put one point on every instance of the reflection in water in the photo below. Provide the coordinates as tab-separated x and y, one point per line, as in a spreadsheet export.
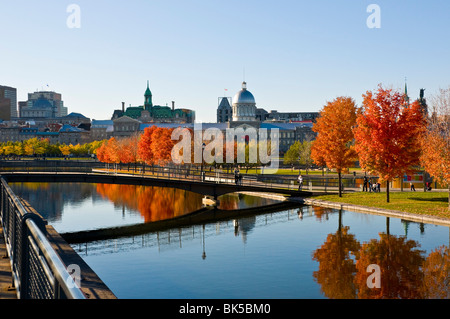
240	201
307	252
405	271
150	203
49	199
153	203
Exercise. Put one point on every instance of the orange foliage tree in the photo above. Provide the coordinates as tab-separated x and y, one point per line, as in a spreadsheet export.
113	150
145	145
387	134
334	141
155	146
161	146
435	141
129	150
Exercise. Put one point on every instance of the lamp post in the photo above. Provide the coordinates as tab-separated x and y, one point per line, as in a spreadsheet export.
202	176
204	252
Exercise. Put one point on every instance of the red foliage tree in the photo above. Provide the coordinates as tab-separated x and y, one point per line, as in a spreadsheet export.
387	134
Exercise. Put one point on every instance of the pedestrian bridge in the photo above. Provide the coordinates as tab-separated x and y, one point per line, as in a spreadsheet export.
210	188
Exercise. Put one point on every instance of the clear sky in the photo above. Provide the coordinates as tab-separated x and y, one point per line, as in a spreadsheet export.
297	55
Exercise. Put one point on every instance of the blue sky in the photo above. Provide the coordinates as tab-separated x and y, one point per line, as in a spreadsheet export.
297	55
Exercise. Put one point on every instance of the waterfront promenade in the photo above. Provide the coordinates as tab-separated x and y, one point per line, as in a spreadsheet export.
6	290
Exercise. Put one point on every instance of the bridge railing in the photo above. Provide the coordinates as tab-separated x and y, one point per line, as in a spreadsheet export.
37	270
207	173
226	176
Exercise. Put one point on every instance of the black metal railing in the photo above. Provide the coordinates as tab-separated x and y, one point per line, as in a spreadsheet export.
37	270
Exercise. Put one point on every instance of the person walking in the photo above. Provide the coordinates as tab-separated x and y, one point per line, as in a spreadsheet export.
412	187
365	184
300	182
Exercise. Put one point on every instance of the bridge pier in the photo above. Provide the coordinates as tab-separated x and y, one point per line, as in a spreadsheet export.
209	201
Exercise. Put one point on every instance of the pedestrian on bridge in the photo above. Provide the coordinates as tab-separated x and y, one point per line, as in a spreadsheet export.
300	182
365	184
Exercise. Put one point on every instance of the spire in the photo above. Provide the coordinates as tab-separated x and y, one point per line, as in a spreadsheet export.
147	92
148	98
406	93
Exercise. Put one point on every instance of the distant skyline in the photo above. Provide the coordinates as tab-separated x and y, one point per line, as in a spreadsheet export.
297	55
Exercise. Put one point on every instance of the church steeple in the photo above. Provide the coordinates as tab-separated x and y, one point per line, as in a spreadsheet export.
406	94
148	99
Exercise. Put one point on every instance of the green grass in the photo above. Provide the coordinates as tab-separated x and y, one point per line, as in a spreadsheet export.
288	171
427	203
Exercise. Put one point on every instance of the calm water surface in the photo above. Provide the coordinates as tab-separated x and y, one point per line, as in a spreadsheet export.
307	252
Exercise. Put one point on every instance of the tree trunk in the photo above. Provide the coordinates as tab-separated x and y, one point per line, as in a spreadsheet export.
387	191
340	189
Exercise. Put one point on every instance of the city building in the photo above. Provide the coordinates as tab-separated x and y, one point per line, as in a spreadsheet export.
101	129
244	109
42	104
224	111
8	103
244	105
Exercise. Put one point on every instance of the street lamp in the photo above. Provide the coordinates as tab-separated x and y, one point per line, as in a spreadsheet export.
201	171
204	252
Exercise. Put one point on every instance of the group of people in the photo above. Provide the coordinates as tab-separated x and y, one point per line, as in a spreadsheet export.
426	188
370	186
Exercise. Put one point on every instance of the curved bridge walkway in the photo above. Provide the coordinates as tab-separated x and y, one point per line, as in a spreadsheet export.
210	188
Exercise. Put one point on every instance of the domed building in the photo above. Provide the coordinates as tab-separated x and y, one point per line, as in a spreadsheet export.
244	105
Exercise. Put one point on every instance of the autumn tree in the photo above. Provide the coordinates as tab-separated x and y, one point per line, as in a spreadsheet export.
387	134
35	146
435	142
64	149
334	142
145	150
113	150
317	156
128	153
161	145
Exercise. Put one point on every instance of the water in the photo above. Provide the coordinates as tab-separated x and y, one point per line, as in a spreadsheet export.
306	252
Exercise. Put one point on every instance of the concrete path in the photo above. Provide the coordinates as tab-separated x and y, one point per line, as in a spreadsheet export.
5	271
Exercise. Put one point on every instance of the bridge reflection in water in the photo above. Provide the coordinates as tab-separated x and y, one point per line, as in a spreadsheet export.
175	238
88	208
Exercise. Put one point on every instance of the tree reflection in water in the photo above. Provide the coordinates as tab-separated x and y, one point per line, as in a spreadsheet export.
406	273
153	203
159	203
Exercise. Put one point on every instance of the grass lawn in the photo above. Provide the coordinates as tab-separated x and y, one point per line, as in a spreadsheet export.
427	203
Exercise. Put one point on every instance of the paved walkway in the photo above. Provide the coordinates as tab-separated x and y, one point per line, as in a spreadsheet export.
5	271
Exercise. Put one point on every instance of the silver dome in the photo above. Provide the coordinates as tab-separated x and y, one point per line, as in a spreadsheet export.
244	96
